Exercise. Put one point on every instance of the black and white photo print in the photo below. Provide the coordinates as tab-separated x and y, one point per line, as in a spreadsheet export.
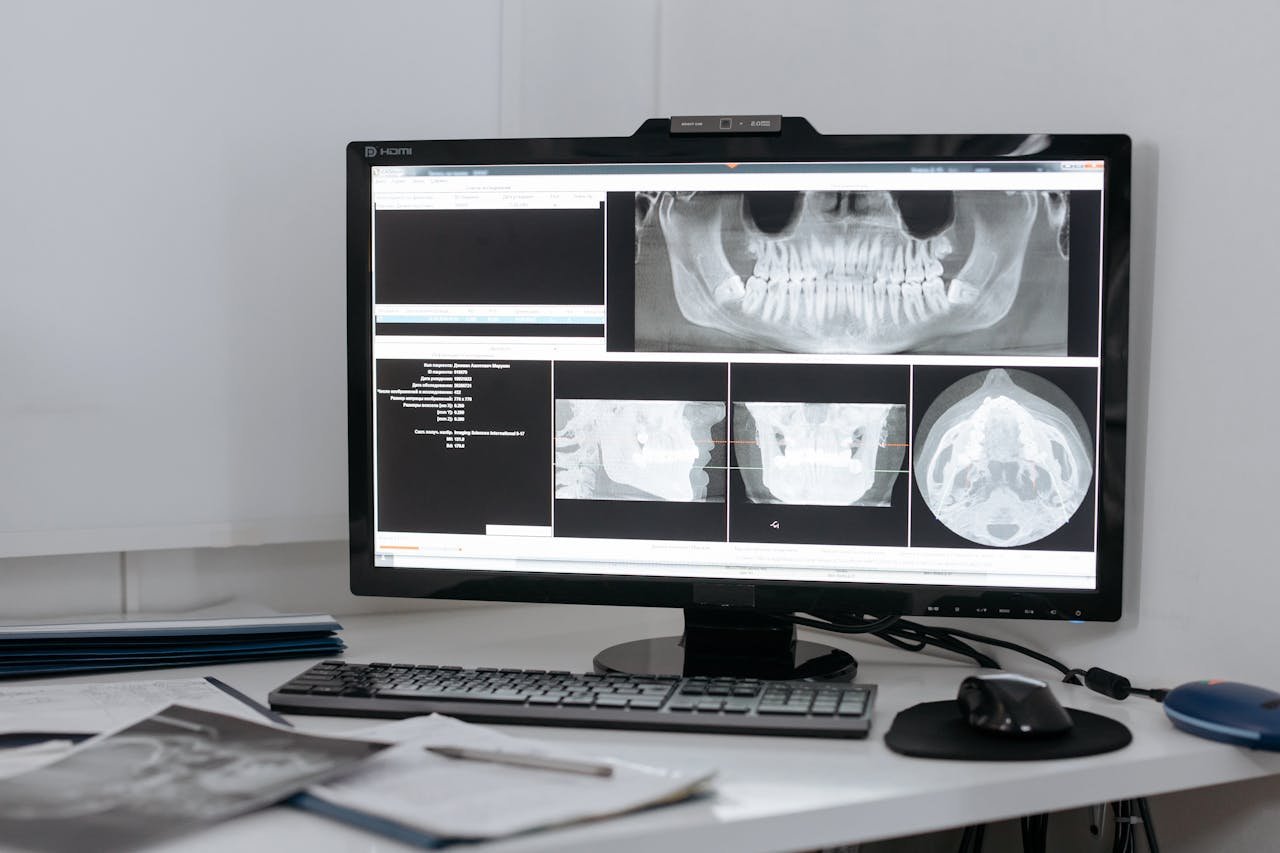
1003	458
819	454
640	450
964	272
176	770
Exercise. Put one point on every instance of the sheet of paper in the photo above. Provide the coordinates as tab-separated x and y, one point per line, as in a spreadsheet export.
95	707
174	771
460	798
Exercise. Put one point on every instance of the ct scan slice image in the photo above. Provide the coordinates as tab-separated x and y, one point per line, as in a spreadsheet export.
820	454
973	272
1003	458
640	450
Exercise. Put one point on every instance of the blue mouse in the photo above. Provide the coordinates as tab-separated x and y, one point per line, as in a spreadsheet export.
1227	711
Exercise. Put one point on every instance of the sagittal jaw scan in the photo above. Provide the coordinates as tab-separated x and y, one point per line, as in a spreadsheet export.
825	454
639	450
1003	466
866	272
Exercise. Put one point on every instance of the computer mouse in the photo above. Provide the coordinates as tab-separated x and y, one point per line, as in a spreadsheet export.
1227	711
1013	705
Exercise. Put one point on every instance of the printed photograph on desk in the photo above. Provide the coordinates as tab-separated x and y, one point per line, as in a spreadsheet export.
174	771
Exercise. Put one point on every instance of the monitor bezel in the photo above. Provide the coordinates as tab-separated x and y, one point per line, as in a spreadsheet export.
797	141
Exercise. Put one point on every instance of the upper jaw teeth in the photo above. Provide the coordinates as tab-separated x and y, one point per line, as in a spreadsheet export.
881	278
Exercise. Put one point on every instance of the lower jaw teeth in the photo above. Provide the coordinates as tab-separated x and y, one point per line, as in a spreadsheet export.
961	292
935	295
729	290
913	301
818	302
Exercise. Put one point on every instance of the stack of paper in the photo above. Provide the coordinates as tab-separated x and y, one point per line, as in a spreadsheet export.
142	643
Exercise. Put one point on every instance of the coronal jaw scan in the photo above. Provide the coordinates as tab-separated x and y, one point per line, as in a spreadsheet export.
825	454
868	272
1002	465
640	450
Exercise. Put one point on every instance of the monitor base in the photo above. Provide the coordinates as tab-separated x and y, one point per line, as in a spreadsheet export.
736	645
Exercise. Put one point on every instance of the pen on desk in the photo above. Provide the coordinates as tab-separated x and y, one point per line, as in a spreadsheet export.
255	705
542	762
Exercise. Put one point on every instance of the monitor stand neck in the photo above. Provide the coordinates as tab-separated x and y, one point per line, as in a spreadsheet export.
730	643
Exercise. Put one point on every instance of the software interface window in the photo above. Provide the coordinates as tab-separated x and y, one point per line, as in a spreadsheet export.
852	371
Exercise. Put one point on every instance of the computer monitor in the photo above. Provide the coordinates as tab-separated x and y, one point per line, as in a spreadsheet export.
735	366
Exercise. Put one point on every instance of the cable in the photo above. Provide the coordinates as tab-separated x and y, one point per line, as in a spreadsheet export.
1035	833
915	637
1148	827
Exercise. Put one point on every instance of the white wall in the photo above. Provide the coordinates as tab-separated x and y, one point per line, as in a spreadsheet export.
171	321
1193	89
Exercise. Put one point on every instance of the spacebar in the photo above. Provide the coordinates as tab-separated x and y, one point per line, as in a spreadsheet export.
454	696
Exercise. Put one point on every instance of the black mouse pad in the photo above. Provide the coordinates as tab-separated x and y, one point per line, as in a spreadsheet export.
938	730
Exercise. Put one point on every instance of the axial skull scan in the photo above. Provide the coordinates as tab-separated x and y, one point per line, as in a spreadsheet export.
1000	464
821	454
640	450
852	272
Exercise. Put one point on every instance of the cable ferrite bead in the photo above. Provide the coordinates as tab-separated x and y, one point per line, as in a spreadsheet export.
1107	683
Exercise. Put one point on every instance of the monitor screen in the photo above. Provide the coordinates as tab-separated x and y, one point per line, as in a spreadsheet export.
785	371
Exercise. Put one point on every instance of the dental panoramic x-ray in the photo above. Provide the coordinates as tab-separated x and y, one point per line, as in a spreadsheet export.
640	450
973	272
1002	465
819	454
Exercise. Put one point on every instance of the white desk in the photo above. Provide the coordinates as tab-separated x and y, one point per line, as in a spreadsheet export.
772	794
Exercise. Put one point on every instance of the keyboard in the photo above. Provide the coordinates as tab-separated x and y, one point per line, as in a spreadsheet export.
558	698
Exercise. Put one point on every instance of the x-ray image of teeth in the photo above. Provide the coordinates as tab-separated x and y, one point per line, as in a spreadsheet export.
819	454
640	450
972	272
1003	458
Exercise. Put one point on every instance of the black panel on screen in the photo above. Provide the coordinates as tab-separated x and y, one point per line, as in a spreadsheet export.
463	444
1083	302
820	383
504	330
621	299
519	257
696	522
605	380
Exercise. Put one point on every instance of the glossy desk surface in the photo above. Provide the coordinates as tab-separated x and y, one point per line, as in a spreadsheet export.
771	794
